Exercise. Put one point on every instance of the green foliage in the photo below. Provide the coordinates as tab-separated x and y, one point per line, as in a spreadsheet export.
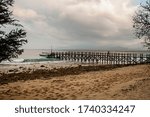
142	23
11	42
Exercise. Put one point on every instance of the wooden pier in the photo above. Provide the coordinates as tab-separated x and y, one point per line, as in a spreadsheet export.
102	57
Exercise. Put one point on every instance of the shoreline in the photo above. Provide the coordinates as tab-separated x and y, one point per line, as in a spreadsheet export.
4	68
42	71
77	82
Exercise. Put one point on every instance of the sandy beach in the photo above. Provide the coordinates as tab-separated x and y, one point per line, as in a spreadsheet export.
74	81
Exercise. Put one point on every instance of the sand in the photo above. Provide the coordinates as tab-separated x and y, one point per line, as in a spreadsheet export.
76	82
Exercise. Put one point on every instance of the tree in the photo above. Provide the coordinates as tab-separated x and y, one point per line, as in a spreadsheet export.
11	39
141	24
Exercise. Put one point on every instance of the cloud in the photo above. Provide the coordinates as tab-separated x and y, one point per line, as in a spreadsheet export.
77	23
25	13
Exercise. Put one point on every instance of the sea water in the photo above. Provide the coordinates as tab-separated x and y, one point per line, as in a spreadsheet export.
31	56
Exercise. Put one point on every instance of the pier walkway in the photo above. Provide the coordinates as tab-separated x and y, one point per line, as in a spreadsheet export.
102	57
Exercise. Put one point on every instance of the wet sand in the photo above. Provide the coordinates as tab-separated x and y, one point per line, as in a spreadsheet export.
76	82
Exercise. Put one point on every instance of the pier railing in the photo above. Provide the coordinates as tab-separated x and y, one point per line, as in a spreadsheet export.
102	57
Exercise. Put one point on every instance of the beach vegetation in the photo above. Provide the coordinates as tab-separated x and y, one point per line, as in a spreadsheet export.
141	23
12	34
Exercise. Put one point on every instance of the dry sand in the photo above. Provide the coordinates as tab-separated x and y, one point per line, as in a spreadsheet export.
130	82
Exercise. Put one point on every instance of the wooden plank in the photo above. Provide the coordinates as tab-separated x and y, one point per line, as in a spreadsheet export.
102	57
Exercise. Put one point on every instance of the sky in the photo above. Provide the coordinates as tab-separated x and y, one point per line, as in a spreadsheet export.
78	24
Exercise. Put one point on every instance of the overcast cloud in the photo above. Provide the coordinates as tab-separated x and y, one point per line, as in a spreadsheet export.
78	24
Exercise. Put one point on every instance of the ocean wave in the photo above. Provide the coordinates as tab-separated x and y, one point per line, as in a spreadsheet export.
40	60
30	61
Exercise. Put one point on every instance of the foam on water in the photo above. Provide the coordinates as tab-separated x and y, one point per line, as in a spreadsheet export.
31	56
30	61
